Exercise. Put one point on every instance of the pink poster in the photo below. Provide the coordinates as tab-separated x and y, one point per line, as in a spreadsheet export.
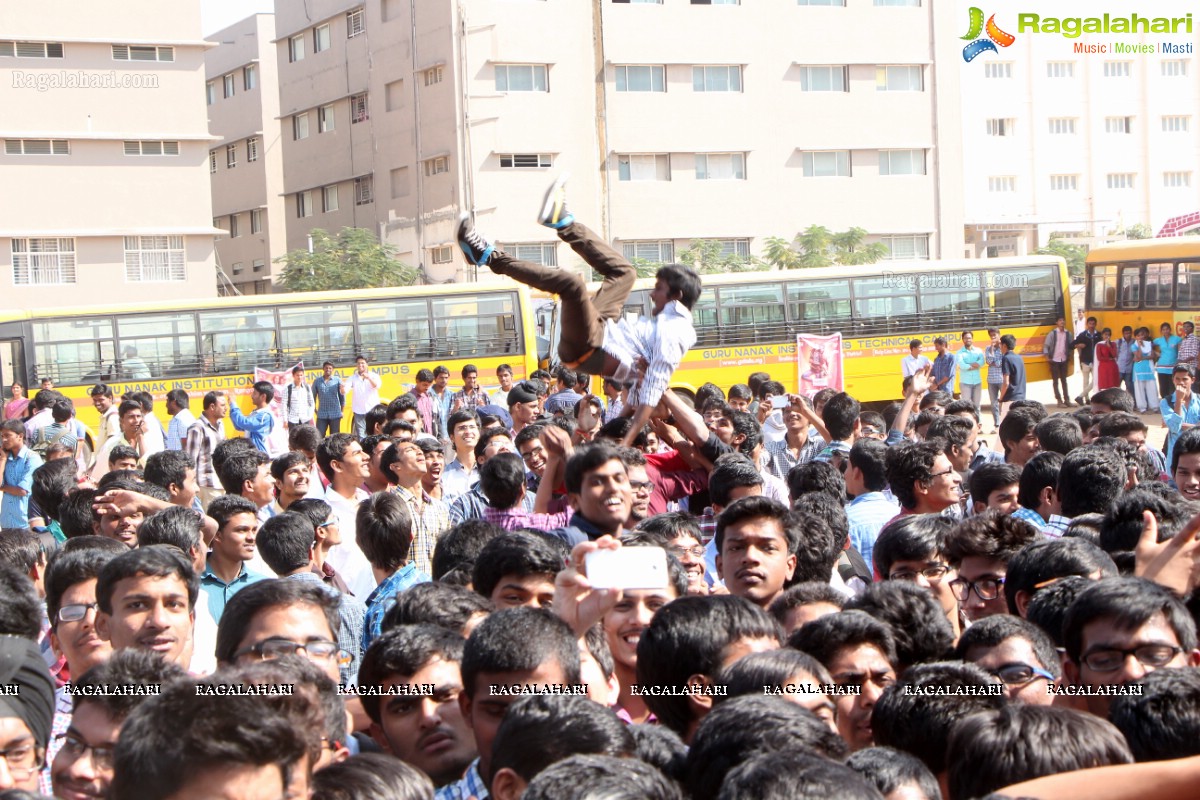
819	363
277	442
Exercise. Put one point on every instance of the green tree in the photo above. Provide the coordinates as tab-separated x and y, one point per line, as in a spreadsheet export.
817	246
1073	254
780	253
353	259
815	243
707	258
1138	230
850	250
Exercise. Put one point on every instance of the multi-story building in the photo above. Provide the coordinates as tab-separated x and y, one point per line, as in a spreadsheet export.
1057	139
105	150
745	122
246	164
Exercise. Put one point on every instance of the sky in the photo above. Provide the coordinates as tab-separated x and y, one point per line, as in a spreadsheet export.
217	14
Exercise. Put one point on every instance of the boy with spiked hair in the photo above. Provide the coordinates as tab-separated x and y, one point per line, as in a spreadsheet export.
595	338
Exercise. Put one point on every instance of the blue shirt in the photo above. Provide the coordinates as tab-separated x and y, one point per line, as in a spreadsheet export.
18	471
257	426
384	597
1168	353
1014	368
219	592
177	429
943	368
868	513
330	399
969	377
1174	422
470	787
352	614
1124	356
1143	370
995	363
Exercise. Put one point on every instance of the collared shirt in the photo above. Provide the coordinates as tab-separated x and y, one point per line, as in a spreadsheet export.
781	459
457	480
384	597
1188	349
994	357
1089	340
60	432
441	406
110	425
943	367
257	426
471	505
512	518
967	357
1055	527
202	439
614	409
64	709
329	397
18	471
36	423
427	412
219	592
178	428
1125	355
470	787
353	614
430	520
348	558
470	399
1168	353
868	513
299	403
563	401
661	341
1055	346
364	391
911	365
1014	368
1174	422
580	529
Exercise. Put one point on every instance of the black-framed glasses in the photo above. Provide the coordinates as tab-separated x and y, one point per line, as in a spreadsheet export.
1112	659
985	589
74	612
932	574
642	486
272	649
677	551
23	760
74	748
1019	674
943	472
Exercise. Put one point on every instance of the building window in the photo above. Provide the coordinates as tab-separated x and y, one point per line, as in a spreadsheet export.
1175	68
32	50
901	78
364	190
358	109
827	164
1001	127
715	2
717	79
152	148
250	77
433	75
436	166
230	156
1062	125
1177	180
526	160
304	207
997	69
1117	69
212	160
155	259
252	149
321	38
237	268
1175	124
906	248
1118	124
1060	69
1120	180
1064	183
720	166
649	167
734	247
296	48
36	147
841	3
641	2
823	79
656	252
544	253
256	220
329	199
233	226
325	121
210	92
300	126
259	266
228	81
1004	183
901	162
913	3
521	78
640	78
125	52
356	22
443	254
43	262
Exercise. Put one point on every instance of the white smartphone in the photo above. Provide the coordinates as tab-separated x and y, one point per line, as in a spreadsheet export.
628	568
780	401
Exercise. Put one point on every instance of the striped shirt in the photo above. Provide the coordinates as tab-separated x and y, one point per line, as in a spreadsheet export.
329	397
1189	348
202	439
177	429
661	341
995	362
430	520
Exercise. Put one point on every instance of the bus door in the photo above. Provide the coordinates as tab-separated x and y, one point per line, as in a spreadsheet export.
12	359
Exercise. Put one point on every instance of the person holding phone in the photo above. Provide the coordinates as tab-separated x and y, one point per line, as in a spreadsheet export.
1181	409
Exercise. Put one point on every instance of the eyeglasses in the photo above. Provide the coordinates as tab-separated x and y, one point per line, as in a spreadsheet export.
932	574
332	522
1020	674
272	649
986	589
1112	659
677	551
23	761
642	486
75	611
73	749
943	472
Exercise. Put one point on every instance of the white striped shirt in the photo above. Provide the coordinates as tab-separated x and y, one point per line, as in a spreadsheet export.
662	340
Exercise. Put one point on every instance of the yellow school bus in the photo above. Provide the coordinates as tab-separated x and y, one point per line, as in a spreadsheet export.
748	322
217	343
1144	282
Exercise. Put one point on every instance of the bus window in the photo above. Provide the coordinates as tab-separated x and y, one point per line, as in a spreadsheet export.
752	313
157	345
75	350
1159	279
819	305
1187	290
476	325
237	339
635	306
314	333
1131	287
1026	296
1103	287
395	330
958	308
881	306
704	316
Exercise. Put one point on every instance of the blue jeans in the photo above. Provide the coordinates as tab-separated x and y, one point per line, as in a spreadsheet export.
1127	379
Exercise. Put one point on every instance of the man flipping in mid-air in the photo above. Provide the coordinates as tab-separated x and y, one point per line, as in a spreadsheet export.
595	337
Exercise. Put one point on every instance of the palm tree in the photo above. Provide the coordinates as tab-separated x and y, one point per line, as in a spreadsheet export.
849	249
815	243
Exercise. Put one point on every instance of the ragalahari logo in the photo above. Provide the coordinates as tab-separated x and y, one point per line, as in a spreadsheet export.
995	36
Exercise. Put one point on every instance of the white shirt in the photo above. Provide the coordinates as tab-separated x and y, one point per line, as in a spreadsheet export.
662	340
347	558
457	480
204	639
911	366
364	394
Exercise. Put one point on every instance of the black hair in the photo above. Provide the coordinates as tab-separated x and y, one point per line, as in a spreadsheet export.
990	535
225	507
502	480
731	471
513	553
100	390
517	640
128	667
1043	561
957	408
538	731
1115	398
1089	480
888	769
1061	433
660	747
918	623
168	467
281	464
121	452
601	778
840	415
870	456
796	775
910	463
1015	426
238	468
585	460
20	606
177	526
757	673
803	594
271	593
51	483
314	509
67	569
1119	424
1048	608
403	651
744	423
1162	721
826	636
461	545
998	628
333	448
449	607
21	549
913	537
1187	444
1128	603
682	280
758	507
708	391
485	439
285	542
371	776
770	387
987	478
1038	474
816	476
157	561
90	542
936	398
672	524
1021	742
689	636
921	724
303	437
459	417
384	531
1122	526
820	530
954	429
227	448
